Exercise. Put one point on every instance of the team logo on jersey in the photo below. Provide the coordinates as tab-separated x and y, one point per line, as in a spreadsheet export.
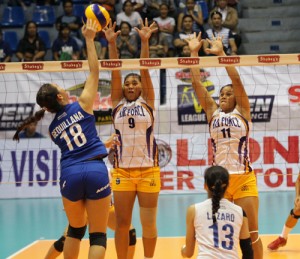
152	182
245	188
164	152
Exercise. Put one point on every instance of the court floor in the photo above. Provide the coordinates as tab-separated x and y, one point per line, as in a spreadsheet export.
29	226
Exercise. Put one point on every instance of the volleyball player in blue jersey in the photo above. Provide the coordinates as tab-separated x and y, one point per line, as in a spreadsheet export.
229	126
84	181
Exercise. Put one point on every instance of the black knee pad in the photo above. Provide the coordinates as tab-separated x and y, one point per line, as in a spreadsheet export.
77	233
59	244
98	239
132	237
294	215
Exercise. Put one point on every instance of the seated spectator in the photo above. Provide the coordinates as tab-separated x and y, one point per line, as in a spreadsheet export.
196	15
166	26
127	43
30	132
109	5
31	47
158	44
74	22
64	46
5	50
153	6
216	30
101	48
187	31
138	5
129	15
230	19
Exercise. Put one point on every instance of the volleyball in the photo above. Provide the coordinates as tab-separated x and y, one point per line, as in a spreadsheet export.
97	13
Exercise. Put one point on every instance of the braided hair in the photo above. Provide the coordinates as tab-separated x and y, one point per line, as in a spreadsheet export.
217	180
46	97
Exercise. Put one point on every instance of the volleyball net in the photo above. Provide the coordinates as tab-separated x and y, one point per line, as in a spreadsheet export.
30	168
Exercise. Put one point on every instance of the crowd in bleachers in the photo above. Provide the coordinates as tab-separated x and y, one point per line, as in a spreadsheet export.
51	29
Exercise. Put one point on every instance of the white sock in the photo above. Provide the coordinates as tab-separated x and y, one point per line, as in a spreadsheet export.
285	232
147	257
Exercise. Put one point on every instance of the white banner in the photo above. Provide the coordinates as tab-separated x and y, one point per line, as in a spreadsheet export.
30	168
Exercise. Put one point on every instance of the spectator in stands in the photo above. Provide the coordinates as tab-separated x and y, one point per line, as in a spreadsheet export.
5	50
230	19
216	30
31	47
129	15
166	26
127	44
30	131
153	8
187	31
138	5
196	13
109	5
158	44
74	22
101	49
64	46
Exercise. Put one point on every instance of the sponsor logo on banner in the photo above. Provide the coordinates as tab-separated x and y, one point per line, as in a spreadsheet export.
32	66
102	105
2	66
229	60
111	64
188	61
164	152
12	114
150	62
189	109
71	64
294	94
269	59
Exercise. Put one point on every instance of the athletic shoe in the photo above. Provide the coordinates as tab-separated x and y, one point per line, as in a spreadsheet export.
278	242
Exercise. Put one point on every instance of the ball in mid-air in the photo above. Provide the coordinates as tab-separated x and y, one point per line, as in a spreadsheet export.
97	13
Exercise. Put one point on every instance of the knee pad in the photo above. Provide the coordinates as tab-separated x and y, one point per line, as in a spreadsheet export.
98	239
293	215
77	233
148	220
132	237
59	244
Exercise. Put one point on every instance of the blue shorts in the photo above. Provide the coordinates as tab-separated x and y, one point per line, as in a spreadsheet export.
85	180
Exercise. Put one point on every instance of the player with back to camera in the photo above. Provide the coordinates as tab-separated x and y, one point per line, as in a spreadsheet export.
290	222
229	127
57	247
216	224
136	172
73	130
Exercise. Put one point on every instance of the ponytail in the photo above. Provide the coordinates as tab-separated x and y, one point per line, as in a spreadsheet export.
32	119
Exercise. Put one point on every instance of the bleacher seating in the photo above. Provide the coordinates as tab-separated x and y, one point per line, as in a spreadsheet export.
46	38
44	15
11	37
78	9
13	16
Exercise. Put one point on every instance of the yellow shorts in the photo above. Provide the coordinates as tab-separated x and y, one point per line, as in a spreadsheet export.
241	185
136	179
